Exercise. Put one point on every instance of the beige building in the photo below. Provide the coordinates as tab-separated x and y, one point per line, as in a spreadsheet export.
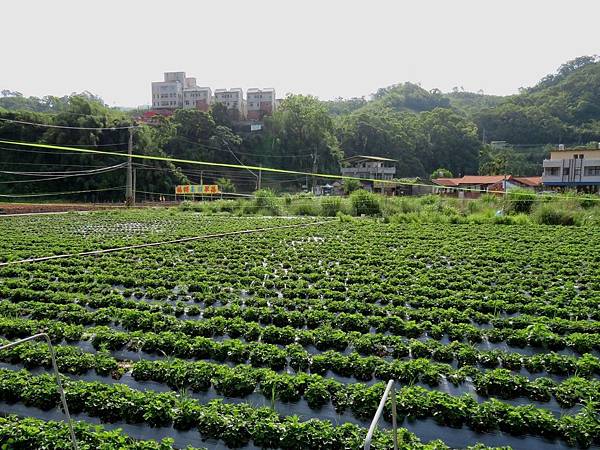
577	168
260	103
196	97
178	91
168	94
233	99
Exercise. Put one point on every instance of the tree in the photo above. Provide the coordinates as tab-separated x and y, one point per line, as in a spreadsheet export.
378	130
451	140
220	115
302	130
351	185
225	184
441	173
410	97
83	111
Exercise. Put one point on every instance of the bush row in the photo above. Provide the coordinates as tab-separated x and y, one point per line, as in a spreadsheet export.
237	424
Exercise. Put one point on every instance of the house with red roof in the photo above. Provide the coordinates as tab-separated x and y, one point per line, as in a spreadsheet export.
474	185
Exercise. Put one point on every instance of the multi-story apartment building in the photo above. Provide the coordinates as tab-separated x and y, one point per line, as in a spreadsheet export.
168	94
577	168
178	91
196	97
260	103
233	99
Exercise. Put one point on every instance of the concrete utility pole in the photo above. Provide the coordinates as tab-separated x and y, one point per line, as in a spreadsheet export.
259	177
129	200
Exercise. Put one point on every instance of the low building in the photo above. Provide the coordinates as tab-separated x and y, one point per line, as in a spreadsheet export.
371	168
472	186
154	116
233	99
574	168
260	103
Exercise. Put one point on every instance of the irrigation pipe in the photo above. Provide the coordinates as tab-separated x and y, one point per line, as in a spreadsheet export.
156	244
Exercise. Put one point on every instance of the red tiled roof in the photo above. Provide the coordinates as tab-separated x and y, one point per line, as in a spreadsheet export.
471	179
482	179
530	181
446	181
488	180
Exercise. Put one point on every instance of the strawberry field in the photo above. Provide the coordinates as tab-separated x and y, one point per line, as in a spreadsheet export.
282	332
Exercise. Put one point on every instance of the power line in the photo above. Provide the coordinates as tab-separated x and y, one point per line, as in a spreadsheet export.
41	152
69	172
201	143
51	194
60	177
269	169
22	122
46	164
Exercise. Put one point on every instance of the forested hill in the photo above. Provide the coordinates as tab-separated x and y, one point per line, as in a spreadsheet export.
562	108
423	130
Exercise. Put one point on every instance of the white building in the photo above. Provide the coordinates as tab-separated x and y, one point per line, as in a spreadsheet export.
168	94
577	168
196	97
178	91
260	103
233	99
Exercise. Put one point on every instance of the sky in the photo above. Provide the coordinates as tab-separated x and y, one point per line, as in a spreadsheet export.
327	48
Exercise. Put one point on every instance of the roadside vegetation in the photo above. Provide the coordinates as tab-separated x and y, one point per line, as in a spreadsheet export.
518	207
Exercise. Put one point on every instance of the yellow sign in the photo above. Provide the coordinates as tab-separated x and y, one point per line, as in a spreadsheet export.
191	189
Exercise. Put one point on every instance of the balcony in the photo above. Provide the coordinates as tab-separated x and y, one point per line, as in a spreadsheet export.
577	173
378	173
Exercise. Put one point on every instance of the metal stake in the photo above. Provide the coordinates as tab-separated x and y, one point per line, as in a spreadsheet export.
386	393
56	374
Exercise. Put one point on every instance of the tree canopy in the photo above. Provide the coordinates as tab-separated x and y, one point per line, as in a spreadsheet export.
421	129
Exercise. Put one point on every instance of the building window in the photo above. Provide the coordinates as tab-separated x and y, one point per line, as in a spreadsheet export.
551	171
566	171
592	171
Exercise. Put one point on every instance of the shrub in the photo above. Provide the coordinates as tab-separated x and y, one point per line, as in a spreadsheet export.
521	200
265	203
304	207
441	173
351	185
549	214
400	205
225	184
343	217
330	206
188	205
364	202
589	200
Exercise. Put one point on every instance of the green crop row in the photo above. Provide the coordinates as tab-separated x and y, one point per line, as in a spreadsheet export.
35	434
268	355
237	424
242	380
345	330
